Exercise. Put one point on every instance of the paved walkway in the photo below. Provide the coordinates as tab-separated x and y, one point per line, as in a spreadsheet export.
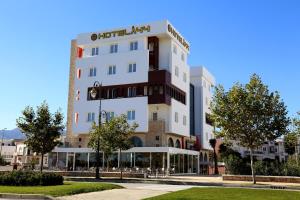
132	191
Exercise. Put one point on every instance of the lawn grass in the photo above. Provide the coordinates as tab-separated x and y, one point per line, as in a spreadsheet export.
69	188
229	194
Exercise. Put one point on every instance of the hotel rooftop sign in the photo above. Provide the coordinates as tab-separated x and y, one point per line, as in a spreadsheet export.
122	32
150	29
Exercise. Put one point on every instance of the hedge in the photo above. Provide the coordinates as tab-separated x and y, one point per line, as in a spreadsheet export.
30	178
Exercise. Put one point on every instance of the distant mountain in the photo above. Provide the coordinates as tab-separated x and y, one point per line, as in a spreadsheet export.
16	134
13	134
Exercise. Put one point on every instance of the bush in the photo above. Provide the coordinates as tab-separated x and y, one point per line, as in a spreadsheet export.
30	178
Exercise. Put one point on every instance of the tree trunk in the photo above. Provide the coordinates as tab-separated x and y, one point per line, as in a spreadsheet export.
42	163
120	161
216	162
252	166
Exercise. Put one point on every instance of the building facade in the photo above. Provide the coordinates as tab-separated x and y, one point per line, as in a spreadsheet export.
144	74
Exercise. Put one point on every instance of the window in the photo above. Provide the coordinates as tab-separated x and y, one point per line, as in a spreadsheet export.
78	74
76	118
182	57
176	71
175	49
132	67
91	117
145	90
154	116
109	115
176	117
133	46
161	89
95	51
112	70
131	92
114	48
184	77
157	138
114	93
93	72
184	120
131	115
79	139
150	90
77	95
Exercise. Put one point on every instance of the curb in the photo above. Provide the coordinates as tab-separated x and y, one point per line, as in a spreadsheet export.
25	196
175	182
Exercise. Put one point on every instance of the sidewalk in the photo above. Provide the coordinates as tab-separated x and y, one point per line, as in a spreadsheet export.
132	191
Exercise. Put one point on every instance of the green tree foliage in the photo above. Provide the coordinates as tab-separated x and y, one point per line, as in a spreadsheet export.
42	129
290	143
249	114
113	136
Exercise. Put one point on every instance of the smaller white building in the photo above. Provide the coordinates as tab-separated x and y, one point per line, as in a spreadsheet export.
7	150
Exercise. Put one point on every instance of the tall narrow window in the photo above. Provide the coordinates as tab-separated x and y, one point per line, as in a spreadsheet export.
184	120
77	95
76	118
131	92
95	51
184	77
133	46
114	48
176	71
154	116
176	117
79	52
78	74
175	49
132	67
109	115
182	57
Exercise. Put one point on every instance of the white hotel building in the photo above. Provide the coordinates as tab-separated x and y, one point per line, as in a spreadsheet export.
145	75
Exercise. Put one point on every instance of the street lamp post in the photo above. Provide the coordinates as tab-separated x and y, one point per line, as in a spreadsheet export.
2	140
96	92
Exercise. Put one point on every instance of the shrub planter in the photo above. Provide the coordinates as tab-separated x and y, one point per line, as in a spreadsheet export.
30	178
279	179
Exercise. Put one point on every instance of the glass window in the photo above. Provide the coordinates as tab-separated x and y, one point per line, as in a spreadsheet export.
132	67
112	70
95	51
110	115
93	72
154	116
175	49
176	117
133	46
91	117
182	57
176	71
131	115
184	77
114	48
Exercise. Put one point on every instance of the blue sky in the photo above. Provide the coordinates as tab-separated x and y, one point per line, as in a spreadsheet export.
232	38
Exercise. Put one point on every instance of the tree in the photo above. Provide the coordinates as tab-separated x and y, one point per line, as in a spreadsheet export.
249	114
290	143
113	135
121	131
213	143
41	128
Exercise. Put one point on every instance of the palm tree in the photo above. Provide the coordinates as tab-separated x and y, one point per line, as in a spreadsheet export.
213	143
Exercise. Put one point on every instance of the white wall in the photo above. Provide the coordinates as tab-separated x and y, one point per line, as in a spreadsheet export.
118	106
202	81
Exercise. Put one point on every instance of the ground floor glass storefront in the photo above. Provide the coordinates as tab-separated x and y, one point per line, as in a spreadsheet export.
138	159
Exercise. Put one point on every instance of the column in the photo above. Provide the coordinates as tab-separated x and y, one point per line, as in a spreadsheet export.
198	164
134	159
67	160
168	163
130	160
119	156
56	159
74	161
163	160
88	161
150	159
